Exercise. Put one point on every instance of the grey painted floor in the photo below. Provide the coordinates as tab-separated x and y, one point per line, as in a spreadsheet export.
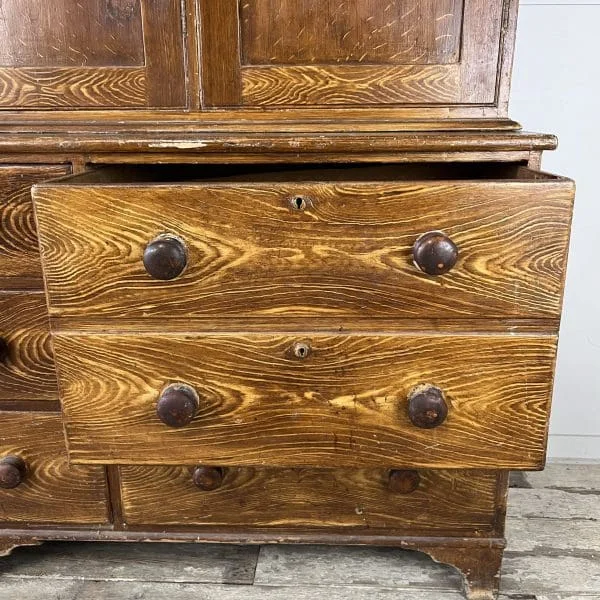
553	554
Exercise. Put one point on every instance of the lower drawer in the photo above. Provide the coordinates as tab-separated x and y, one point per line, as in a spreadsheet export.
415	502
26	363
33	459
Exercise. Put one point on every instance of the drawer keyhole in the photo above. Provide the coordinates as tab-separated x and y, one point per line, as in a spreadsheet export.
299	202
301	350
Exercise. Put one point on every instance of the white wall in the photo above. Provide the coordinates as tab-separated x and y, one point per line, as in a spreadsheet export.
556	89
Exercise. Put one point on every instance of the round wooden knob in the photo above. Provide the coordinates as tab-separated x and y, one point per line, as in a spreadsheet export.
3	350
12	472
177	405
208	478
165	257
427	406
435	253
403	482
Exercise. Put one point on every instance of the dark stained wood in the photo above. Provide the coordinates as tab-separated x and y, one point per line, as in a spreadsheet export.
435	253
20	265
208	478
27	372
427	406
345	405
219	53
404	481
376	53
480	568
165	257
348	254
63	33
91	55
177	405
350	498
355	31
13	470
52	491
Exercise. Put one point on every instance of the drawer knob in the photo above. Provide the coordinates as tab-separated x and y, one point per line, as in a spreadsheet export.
435	253
427	406
165	257
177	405
208	478
3	350
403	481
12	472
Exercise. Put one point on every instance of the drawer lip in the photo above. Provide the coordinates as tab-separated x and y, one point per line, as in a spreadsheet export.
268	410
128	176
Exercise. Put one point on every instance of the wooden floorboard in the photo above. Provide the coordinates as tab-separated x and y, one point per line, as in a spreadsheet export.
553	529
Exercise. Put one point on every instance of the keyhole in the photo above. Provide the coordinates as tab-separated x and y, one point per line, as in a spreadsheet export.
301	350
298	202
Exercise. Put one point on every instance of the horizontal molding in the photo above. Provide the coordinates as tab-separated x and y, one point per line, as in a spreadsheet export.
580	447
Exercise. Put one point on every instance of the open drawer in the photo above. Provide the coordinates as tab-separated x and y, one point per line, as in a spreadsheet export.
400	241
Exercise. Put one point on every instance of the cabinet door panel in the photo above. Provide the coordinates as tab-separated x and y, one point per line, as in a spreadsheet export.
358	52
97	54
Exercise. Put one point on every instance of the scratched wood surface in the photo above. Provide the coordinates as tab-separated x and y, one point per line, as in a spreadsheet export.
20	265
451	501
547	559
354	53
348	254
27	373
344	405
372	31
96	54
53	491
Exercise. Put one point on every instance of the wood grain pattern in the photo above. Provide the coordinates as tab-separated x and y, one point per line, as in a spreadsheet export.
445	501
346	405
72	86
348	254
63	33
351	53
345	84
28	372
92	55
219	52
53	491
365	31
19	251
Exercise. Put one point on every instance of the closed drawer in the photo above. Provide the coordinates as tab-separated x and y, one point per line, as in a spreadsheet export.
425	502
19	251
46	489
320	400
27	369
306	242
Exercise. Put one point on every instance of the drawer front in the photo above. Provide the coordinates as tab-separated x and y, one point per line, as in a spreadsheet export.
27	369
305	249
51	490
19	251
320	400
453	502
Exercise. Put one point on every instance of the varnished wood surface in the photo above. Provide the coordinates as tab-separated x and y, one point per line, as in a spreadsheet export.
66	34
445	501
448	53
20	265
354	31
92	55
351	85
28	371
52	491
345	405
348	254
